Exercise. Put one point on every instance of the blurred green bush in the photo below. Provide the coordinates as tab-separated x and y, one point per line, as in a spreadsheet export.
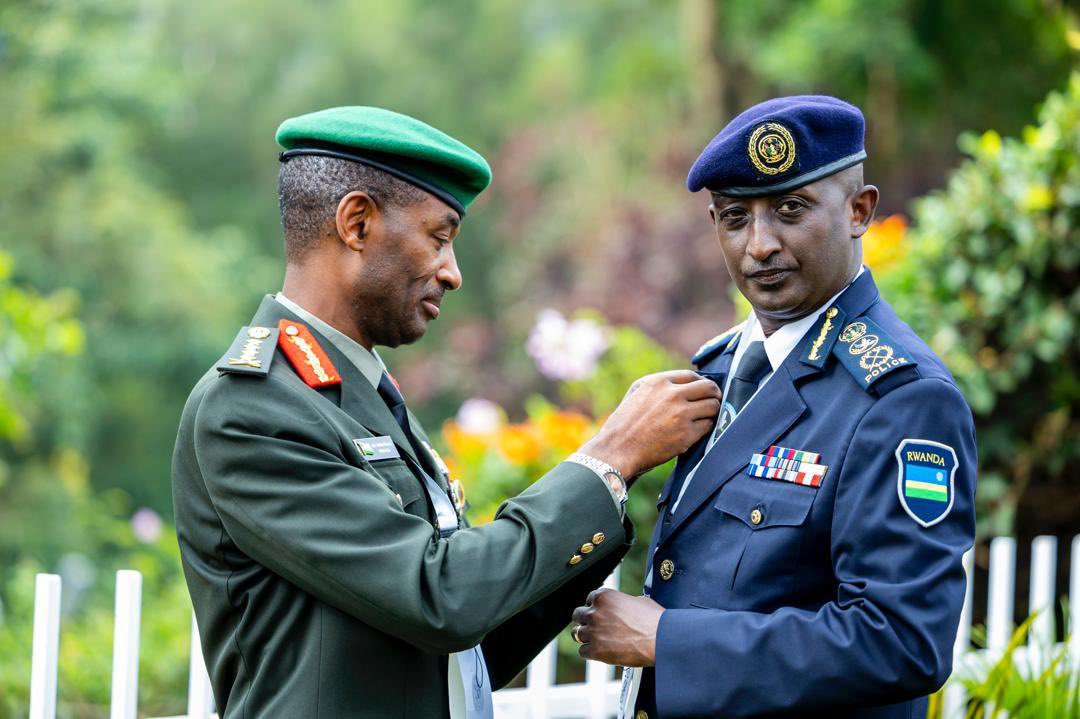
991	278
1025	681
50	520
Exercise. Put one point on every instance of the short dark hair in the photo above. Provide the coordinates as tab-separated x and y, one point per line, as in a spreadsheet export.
311	186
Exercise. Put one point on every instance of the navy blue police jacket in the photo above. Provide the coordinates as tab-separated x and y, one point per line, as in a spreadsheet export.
814	564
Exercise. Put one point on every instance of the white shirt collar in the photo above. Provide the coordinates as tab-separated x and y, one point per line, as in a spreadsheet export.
781	342
367	361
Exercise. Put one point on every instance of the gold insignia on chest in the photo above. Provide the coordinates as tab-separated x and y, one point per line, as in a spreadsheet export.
771	148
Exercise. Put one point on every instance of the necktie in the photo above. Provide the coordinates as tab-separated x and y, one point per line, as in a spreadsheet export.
753	366
468	680
445	512
395	402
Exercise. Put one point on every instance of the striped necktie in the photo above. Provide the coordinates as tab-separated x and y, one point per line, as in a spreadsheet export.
752	368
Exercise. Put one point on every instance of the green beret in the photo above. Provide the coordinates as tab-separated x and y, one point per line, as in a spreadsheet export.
398	144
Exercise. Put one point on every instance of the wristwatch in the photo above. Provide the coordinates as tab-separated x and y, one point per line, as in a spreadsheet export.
605	471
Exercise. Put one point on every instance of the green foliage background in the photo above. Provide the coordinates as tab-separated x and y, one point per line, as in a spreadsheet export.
138	229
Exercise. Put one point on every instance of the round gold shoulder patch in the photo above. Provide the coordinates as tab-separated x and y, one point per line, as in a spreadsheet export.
258	333
771	148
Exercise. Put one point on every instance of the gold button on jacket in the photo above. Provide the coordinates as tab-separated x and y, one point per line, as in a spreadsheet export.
667	569
756	516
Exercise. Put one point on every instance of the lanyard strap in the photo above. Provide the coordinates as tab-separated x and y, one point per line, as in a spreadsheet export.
446	516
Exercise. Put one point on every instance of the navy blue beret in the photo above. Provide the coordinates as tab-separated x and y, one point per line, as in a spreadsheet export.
779	145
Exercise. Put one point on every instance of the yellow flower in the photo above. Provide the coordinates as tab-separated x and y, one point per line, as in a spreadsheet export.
883	243
990	143
1037	198
519	443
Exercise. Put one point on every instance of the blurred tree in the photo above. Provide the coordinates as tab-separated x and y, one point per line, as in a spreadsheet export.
139	140
84	92
39	481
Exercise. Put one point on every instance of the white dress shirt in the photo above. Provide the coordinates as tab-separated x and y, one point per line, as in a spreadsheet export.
778	346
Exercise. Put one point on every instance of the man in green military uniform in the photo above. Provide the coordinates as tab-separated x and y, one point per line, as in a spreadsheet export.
321	538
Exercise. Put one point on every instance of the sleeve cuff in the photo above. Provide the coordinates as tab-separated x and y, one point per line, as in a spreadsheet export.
620	504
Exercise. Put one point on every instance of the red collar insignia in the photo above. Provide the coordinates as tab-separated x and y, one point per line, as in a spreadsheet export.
306	355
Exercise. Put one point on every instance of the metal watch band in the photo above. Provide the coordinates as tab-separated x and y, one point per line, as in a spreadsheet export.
601	468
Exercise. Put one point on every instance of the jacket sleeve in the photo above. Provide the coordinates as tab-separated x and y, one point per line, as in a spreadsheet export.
888	635
512	645
275	471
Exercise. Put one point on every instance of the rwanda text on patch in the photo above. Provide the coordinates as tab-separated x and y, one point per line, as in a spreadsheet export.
925	479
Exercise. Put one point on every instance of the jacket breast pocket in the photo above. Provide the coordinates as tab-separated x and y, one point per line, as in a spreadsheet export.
755	554
402	482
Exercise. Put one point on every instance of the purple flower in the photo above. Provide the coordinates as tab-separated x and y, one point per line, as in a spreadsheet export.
146	524
566	349
479	416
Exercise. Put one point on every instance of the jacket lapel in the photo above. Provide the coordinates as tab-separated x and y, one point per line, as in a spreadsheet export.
690	458
358	398
764	419
761	422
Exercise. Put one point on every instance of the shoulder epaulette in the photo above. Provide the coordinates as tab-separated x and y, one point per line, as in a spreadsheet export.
870	354
307	356
251	352
719	343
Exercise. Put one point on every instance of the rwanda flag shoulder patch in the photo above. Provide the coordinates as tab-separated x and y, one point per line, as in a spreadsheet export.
925	479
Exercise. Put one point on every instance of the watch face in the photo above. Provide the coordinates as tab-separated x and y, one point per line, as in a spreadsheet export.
617	485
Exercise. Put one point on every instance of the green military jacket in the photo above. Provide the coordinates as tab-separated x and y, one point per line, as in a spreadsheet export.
321	588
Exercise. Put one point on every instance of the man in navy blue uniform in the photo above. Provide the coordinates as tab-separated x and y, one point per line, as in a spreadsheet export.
807	560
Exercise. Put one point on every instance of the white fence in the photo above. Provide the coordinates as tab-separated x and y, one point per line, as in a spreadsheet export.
595	698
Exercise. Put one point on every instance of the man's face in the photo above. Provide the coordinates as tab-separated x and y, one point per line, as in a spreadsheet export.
408	265
789	253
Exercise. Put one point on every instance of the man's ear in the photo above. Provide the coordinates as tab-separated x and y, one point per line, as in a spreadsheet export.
356	213
863	206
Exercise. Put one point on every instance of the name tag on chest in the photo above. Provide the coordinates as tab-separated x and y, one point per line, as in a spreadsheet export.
374	449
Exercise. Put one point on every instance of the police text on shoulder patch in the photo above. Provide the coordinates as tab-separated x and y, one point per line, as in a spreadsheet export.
925	479
868	352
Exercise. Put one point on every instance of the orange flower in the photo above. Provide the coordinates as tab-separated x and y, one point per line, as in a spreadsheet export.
520	443
883	243
454	466
463	444
563	431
